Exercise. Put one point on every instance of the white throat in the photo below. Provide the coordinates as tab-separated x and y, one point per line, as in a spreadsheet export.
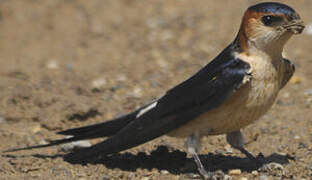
265	46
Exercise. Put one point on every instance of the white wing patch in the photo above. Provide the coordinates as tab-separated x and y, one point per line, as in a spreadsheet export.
143	111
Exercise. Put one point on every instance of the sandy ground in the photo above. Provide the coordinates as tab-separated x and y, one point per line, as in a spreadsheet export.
70	63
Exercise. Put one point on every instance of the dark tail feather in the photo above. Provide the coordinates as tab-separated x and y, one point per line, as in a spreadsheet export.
105	129
88	132
138	132
52	143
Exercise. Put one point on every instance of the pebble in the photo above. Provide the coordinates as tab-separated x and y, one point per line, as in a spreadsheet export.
308	101
308	92
263	177
164	172
43	142
235	172
167	35
228	149
308	29
206	48
121	77
145	178
295	80
97	28
77	144
2	119
255	173
192	176
52	64
106	177
162	63
69	66
218	174
36	128
276	166
99	83
227	177
286	95
243	178
154	22
137	92
272	166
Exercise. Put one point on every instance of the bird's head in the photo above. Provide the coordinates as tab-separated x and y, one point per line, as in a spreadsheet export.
267	27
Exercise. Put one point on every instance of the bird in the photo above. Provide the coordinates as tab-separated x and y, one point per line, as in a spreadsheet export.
232	91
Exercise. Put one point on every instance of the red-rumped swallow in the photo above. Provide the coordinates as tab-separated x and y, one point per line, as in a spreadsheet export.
233	90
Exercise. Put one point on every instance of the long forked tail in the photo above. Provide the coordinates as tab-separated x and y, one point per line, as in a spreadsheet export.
105	129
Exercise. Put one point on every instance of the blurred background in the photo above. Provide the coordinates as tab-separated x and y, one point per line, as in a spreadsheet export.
66	63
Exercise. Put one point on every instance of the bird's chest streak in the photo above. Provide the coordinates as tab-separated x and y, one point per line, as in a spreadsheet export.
247	104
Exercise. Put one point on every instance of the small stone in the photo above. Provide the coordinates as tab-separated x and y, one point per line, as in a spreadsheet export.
43	141
52	64
97	28
308	92
69	66
286	95
206	48
218	174
272	166
192	176
235	172
137	92
297	137
154	22
228	149
308	29
166	35
36	128
121	78
227	177
145	178
308	101
164	172
276	166
255	173
2	119
98	83
243	178
264	177
106	177
295	80
162	63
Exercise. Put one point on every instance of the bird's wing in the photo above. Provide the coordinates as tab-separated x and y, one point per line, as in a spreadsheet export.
288	69
206	90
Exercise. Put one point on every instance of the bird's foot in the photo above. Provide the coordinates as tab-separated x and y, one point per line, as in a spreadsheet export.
206	175
203	173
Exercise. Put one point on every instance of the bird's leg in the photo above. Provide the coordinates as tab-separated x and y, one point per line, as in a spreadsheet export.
237	141
192	145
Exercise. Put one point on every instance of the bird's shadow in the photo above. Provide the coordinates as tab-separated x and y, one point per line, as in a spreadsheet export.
177	162
174	161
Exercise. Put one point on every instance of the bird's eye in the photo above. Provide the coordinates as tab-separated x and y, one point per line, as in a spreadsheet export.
270	20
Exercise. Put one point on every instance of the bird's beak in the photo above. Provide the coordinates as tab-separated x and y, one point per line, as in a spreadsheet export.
295	26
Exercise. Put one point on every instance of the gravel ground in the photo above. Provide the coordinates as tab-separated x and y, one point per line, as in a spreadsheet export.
68	63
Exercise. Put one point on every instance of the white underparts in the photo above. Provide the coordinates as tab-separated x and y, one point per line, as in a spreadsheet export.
143	111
